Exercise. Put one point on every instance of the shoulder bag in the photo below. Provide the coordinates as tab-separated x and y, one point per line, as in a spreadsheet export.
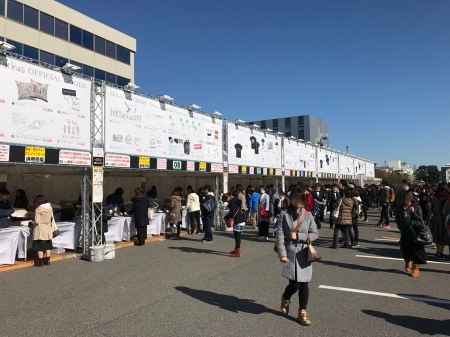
299	222
230	221
56	231
335	214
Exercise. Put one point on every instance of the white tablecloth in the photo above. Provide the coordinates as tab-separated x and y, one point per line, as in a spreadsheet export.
186	220
157	225
9	240
70	235
119	229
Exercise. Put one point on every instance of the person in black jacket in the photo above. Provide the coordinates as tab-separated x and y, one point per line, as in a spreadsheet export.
21	199
413	253
207	212
234	206
333	196
115	201
141	204
319	196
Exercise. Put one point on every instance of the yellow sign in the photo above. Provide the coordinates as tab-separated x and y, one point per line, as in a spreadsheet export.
244	169
144	162
34	154
202	166
271	171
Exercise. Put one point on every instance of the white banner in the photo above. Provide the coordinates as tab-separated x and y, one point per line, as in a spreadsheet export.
43	107
4	152
370	170
299	156
360	166
137	125
327	161
253	149
346	165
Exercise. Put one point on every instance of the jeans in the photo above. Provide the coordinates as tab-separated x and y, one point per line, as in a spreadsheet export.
385	213
344	229
207	224
354	236
303	293
195	218
264	228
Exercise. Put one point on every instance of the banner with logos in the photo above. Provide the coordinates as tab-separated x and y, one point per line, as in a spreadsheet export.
327	161
253	148
142	126
299	156
43	107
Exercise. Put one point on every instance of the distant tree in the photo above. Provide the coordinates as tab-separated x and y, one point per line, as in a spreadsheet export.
392	178
429	174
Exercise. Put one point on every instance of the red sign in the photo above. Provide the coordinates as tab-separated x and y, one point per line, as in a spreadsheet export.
74	158
116	160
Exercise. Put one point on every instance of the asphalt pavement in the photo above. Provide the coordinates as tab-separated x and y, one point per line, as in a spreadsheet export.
189	288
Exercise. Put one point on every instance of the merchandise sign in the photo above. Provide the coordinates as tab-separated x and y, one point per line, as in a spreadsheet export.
97	193
233	169
74	158
115	160
190	166
202	166
251	170
34	155
4	153
217	168
258	170
327	161
176	165
142	126
97	175
144	162
98	156
271	171
278	172
161	164
265	171
43	107
244	169
287	173
252	147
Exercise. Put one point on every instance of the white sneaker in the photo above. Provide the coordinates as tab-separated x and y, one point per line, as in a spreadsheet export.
266	238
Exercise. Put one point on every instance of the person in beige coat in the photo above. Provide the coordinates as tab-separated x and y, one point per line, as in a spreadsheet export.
193	209
344	220
44	225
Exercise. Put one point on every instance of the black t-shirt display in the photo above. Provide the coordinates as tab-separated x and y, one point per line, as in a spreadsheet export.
238	148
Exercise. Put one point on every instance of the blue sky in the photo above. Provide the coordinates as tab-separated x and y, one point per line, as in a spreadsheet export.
378	72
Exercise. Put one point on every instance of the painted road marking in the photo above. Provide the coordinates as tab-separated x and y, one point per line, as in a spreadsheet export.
387	240
396	259
375	293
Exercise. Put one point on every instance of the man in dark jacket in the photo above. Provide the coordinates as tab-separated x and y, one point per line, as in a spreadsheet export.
5	208
384	201
141	205
333	196
208	206
115	200
319	195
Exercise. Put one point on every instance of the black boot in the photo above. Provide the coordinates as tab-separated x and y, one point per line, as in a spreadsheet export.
38	262
46	261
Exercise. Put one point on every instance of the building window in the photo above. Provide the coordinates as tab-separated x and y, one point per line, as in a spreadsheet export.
99	45
123	54
31	52
287	121
2	7
31	17
60	61
47	24
47	57
275	128
111	78
88	40
122	81
110	49
15	10
19	47
76	35
287	129
301	127
263	125
99	74
88	70
61	29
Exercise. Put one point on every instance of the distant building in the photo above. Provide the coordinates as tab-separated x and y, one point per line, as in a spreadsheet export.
402	167
445	173
305	127
52	33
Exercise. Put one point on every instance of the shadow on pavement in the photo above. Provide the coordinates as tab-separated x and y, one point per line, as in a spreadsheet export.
199	251
230	303
363	268
435	304
424	326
